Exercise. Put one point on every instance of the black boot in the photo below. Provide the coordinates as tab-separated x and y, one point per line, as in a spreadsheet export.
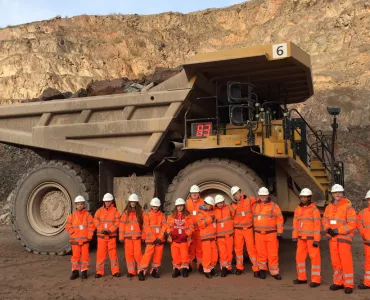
98	276
336	287
256	274
74	275
155	273
297	281
84	274
176	273
214	273
118	274
201	271
208	275
262	274
129	275
314	284
224	272
238	272
361	286
141	276
277	277
348	290
190	268
185	272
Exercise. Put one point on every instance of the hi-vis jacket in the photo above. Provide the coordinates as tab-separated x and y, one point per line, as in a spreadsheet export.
341	217
206	225
267	218
242	212
154	226
80	227
186	227
129	226
224	222
307	223
363	225
193	208
106	219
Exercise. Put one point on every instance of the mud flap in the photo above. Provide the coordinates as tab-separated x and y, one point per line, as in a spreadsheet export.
143	186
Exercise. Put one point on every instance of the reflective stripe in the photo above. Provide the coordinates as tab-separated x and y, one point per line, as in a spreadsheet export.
351	220
302	271
367	272
367	277
223	220
315	273
344	241
315	267
301	265
348	281
337	271
273	267
348	275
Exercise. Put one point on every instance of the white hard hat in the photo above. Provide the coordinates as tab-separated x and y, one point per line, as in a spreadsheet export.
209	200
155	202
194	189
133	198
337	188
108	197
306	192
367	195
179	201
219	199
263	191
79	199
234	189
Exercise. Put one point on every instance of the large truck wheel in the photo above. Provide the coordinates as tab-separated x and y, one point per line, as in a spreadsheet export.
43	200
213	176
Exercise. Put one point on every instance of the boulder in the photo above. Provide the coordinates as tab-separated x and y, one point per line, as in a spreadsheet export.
162	74
51	94
80	93
106	87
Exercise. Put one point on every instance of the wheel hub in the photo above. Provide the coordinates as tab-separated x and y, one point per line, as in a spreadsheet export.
54	208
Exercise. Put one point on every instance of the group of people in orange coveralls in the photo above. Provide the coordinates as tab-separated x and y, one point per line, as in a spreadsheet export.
208	231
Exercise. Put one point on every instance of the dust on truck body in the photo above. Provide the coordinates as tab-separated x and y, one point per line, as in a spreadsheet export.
223	121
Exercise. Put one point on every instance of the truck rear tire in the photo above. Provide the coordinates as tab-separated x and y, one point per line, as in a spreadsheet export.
213	176
43	200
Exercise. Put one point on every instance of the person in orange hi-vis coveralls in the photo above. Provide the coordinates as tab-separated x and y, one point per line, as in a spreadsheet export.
80	227
130	234
206	221
106	221
224	234
192	206
180	228
154	228
363	226
306	233
268	227
241	208
339	223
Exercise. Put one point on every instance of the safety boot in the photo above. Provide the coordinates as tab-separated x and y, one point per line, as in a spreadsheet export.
118	274
224	272
201	271
214	273
314	284
238	272
129	275
98	275
176	273
190	269
262	274
277	277
361	286
208	275
297	281
348	290
74	275
185	272
155	273
84	274
256	274
336	287
141	276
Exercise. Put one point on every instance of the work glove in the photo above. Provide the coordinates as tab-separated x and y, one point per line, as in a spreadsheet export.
213	218
332	233
105	232
279	237
202	207
315	244
157	241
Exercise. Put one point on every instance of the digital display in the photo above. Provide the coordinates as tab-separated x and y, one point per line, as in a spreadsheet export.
201	129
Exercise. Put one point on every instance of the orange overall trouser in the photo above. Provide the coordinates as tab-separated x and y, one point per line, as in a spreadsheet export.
367	265
210	255
305	247
180	257
155	251
225	250
133	254
107	245
80	257
267	246
247	237
341	260
195	249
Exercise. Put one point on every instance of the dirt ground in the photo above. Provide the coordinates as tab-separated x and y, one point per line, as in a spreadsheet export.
30	276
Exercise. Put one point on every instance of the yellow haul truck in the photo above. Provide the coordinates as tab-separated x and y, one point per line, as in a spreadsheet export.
223	121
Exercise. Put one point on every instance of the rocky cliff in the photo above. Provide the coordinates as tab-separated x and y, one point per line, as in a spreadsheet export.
67	54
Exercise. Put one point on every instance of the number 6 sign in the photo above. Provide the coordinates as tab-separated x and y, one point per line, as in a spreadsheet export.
279	51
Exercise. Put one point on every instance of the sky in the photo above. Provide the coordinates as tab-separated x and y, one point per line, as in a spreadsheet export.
14	12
